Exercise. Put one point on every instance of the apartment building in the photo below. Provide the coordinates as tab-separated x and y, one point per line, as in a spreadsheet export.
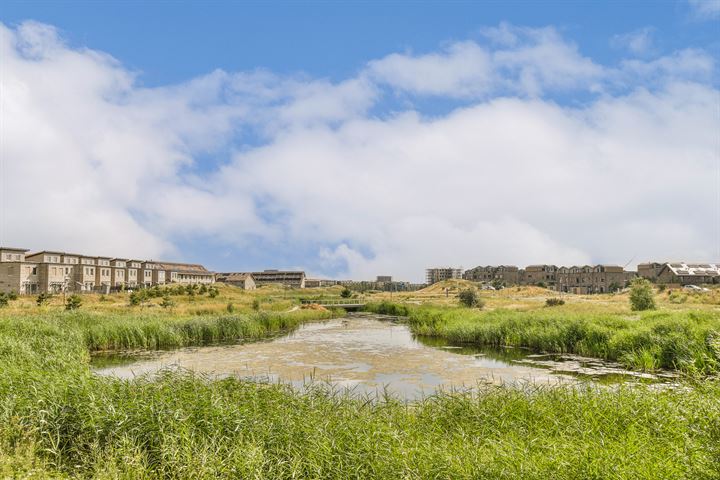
439	274
682	273
16	274
133	270
56	272
507	274
241	280
592	279
539	275
185	273
650	270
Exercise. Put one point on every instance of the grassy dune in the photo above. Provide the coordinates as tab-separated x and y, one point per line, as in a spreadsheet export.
688	341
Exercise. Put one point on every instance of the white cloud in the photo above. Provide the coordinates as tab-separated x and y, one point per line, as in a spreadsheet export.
639	42
93	162
705	9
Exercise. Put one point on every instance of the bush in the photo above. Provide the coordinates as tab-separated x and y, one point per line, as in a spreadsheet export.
13	295
213	292
256	304
230	308
641	295
167	302
4	299
138	297
73	302
541	284
42	299
346	293
469	298
614	287
554	302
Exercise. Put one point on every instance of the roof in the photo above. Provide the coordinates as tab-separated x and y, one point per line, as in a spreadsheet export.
183	267
694	269
13	249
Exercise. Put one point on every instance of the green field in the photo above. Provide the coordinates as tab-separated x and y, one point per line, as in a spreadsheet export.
59	420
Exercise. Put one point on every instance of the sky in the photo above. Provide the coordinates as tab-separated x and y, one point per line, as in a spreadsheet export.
359	139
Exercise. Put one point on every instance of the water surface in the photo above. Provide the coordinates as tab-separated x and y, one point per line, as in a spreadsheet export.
367	354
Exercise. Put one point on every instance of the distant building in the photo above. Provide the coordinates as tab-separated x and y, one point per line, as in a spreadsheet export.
56	272
435	275
384	279
241	280
591	279
293	279
650	270
317	282
539	274
507	274
682	273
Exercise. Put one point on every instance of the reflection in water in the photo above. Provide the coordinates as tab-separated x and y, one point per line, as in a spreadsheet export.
358	352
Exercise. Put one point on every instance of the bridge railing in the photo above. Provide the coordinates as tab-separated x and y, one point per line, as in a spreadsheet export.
331	301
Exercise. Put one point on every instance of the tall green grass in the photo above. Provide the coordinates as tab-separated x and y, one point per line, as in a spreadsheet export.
58	420
685	341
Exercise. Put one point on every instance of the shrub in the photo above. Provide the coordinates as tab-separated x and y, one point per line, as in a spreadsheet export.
42	299
230	308
138	297
641	295
614	287
469	298
346	293
4	299
203	289
256	304
12	295
73	302
554	302
167	302
213	292
541	284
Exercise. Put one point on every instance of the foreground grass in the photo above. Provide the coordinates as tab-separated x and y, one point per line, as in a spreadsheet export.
688	341
58	420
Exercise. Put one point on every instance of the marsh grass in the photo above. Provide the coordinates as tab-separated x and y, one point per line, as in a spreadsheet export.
670	340
58	420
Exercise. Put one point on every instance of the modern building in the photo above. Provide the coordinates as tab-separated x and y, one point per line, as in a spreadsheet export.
56	272
184	273
507	274
293	279
592	279
16	274
682	273
539	275
241	280
439	274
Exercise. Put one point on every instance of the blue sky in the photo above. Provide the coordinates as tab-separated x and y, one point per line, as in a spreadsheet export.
289	134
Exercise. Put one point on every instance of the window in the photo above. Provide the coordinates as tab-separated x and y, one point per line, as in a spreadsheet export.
34	270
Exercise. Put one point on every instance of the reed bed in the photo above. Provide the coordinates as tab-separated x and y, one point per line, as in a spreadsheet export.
688	341
58	420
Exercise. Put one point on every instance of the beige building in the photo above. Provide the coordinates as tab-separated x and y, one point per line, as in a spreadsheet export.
53	273
16	274
241	280
133	272
439	274
507	274
539	274
186	273
118	272
591	279
682	273
292	279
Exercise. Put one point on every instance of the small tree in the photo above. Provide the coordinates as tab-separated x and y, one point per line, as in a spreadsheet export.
203	289
138	297
167	302
213	292
641	295
42	299
346	293
470	299
73	302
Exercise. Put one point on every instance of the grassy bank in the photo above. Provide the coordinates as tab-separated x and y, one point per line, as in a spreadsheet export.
57	419
688	341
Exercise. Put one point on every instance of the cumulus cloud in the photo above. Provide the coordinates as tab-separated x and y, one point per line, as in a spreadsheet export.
93	162
639	42
705	9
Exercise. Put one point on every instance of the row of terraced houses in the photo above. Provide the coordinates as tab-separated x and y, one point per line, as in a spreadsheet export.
54	272
583	279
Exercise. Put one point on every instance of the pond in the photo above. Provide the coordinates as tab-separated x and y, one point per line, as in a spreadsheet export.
369	354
